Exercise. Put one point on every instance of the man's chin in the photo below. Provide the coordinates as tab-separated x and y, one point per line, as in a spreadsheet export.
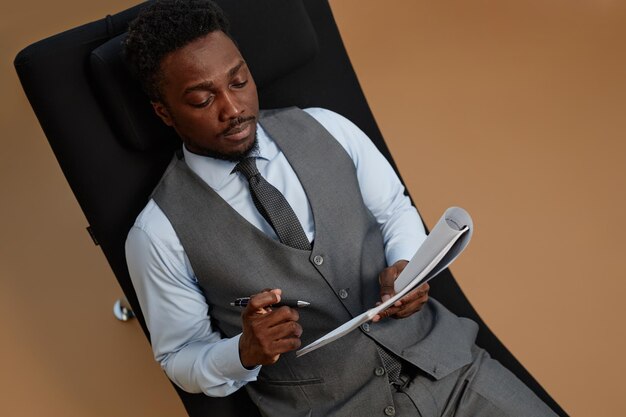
238	156
234	156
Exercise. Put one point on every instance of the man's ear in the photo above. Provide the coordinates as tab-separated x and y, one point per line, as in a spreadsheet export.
161	110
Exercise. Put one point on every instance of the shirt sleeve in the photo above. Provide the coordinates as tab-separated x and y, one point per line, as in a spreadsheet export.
383	193
191	353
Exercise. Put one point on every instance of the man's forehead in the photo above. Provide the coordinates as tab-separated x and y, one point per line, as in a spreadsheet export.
211	56
205	84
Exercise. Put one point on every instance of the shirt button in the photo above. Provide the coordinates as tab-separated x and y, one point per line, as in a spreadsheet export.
380	371
343	294
390	411
365	327
318	260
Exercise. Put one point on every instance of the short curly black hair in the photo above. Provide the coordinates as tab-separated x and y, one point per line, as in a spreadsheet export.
163	27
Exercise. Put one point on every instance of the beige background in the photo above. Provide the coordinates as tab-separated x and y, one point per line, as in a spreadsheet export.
511	109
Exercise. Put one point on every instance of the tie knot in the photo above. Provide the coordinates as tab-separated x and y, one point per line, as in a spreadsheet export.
247	167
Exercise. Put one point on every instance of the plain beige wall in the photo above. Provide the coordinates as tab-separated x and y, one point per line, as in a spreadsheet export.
511	109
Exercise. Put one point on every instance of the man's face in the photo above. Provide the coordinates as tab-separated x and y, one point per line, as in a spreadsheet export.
209	97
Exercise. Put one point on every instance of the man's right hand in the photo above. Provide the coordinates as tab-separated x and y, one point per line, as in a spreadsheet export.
267	332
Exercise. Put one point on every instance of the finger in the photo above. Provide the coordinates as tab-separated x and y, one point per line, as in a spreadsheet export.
267	327
284	330
388	312
424	288
258	302
409	310
412	307
286	345
280	315
414	294
417	298
279	339
408	307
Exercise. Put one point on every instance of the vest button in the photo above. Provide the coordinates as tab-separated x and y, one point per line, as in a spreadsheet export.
380	371
343	294
390	411
365	327
318	259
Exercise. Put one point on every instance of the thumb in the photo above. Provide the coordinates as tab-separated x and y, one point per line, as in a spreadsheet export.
386	280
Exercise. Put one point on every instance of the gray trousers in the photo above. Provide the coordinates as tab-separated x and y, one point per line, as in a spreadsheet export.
484	388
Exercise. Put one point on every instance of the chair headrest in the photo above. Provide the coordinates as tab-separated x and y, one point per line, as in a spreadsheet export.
275	36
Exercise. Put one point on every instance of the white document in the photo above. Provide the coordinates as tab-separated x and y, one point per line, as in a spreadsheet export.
445	242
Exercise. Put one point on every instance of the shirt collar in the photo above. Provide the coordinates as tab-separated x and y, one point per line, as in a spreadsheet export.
217	172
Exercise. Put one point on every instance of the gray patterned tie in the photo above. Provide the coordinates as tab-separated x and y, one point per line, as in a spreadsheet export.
392	365
273	206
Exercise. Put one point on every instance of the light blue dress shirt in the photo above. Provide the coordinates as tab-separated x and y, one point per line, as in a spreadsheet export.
193	355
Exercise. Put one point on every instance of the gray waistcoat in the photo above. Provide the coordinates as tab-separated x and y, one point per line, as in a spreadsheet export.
232	258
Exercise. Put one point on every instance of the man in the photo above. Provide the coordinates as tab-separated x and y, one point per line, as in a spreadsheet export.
294	203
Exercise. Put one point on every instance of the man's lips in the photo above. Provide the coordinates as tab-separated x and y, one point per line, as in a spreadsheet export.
240	131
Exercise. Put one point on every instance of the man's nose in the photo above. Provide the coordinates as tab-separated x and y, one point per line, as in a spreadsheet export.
230	107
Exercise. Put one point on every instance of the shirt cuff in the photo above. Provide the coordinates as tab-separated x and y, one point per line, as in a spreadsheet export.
228	361
404	251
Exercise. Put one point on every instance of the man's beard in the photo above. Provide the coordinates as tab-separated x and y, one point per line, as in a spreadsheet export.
234	156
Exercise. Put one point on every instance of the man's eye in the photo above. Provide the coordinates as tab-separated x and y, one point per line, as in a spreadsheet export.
241	84
202	104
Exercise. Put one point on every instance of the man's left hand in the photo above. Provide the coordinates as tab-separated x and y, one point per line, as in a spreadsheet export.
407	305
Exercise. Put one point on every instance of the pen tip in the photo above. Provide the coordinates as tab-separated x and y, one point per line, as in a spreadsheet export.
303	304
